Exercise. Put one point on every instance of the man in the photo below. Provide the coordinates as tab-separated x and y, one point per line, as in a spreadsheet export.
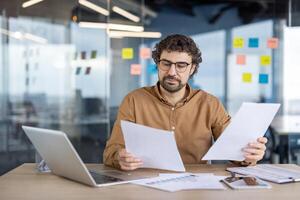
194	115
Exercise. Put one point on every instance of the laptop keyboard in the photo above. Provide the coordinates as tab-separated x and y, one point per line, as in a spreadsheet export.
101	179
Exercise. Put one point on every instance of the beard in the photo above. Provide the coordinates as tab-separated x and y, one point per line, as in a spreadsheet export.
171	87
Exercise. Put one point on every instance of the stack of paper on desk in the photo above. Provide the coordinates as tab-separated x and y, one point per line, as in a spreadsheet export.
182	181
269	172
156	148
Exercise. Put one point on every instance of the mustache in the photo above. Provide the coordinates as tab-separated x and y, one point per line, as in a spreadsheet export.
170	78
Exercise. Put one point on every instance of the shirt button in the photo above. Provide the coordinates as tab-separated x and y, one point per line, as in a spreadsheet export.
173	108
173	127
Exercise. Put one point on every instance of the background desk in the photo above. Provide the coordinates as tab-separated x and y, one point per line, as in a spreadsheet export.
24	183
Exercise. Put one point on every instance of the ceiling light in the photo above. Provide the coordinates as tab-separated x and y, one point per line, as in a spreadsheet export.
126	14
121	27
17	35
21	36
94	7
118	34
30	3
35	38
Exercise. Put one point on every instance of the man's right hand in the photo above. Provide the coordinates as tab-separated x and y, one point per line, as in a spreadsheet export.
127	161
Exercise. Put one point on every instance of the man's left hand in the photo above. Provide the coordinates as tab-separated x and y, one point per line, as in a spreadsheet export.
255	151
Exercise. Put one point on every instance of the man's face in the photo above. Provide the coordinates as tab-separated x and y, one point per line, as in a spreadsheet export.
172	79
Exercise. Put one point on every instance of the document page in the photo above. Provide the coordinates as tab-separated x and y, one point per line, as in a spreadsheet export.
182	181
156	148
250	122
269	172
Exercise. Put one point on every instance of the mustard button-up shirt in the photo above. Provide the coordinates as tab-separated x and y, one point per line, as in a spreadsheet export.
195	120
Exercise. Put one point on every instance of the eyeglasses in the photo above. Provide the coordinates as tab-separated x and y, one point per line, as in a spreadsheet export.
247	179
166	65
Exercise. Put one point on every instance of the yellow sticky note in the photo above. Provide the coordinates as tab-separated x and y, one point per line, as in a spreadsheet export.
238	42
247	77
265	60
127	53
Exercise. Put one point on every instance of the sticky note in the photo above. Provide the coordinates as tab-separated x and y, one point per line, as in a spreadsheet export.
265	60
272	43
94	54
127	53
145	53
253	42
87	70
152	69
247	77
83	55
78	69
238	42
263	78
241	59
135	69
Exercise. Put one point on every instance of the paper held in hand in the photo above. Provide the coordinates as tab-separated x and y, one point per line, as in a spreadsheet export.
250	122
156	148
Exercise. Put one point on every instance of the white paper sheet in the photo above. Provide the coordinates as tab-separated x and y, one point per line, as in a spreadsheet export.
182	181
156	148
250	122
198	174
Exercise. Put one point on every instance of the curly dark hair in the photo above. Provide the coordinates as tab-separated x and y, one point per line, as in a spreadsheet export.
180	43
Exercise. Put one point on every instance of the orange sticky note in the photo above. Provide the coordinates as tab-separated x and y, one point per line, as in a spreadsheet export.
272	43
247	77
241	59
135	69
238	42
265	60
127	53
145	53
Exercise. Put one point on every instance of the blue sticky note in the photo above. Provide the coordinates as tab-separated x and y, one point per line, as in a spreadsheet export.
253	42
263	78
151	69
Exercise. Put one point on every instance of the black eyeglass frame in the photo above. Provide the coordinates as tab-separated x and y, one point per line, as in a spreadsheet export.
178	68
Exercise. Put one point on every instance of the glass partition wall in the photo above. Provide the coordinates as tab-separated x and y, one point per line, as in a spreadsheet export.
54	74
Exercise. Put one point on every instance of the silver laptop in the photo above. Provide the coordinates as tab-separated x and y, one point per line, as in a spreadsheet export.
63	160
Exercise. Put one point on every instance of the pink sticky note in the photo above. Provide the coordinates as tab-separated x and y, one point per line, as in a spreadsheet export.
135	69
241	59
145	53
272	43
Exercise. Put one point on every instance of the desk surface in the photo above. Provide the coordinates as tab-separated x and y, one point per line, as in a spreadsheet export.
24	183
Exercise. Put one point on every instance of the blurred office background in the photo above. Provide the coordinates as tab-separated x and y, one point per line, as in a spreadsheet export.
67	64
